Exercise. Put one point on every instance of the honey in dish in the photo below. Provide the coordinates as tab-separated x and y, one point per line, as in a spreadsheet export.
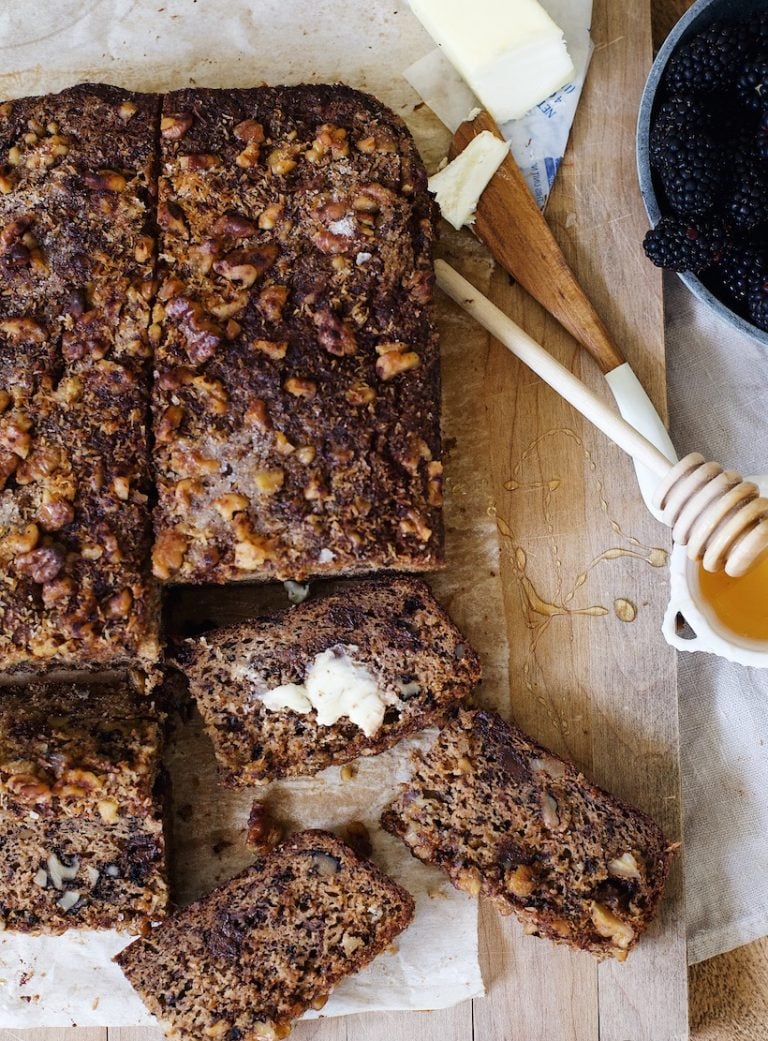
740	604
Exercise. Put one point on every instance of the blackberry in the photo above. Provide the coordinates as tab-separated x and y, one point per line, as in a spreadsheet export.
691	173
675	116
757	305
746	198
685	245
757	28
752	84
761	138
709	62
742	269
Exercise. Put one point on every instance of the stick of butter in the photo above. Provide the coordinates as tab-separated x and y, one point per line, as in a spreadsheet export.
510	52
458	186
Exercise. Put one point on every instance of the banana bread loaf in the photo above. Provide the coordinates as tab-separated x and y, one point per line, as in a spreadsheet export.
249	958
77	183
503	816
81	833
296	406
329	680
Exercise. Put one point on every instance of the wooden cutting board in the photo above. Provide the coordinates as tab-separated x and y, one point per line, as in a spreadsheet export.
584	592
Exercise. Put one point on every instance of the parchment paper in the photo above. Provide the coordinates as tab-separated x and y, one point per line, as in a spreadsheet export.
153	46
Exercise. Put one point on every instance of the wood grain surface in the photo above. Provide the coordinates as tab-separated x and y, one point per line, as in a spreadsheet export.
582	682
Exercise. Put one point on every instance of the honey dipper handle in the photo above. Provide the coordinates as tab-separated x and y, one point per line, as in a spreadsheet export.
511	225
551	371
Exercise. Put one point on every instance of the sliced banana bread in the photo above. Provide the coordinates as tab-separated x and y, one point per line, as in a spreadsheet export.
329	680
81	833
77	184
246	960
297	396
503	816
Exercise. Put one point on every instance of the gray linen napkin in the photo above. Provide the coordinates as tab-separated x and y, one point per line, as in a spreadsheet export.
718	404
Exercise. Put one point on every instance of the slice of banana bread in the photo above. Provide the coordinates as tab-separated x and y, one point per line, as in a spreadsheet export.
248	959
77	183
329	680
81	833
503	816
298	391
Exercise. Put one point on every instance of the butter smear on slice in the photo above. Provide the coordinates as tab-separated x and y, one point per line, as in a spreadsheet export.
510	52
458	186
335	686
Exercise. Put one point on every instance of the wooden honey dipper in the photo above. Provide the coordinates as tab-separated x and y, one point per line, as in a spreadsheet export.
720	518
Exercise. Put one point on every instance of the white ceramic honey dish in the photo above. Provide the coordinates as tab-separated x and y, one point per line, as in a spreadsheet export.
718	615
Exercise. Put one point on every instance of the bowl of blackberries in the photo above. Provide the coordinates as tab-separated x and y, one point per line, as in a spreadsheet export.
703	158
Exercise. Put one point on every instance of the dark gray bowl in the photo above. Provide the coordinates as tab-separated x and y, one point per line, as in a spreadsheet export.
698	17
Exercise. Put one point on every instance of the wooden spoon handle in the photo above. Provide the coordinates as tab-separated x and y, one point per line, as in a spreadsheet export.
511	225
550	370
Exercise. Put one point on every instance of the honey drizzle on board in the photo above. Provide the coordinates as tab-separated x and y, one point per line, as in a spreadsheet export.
541	611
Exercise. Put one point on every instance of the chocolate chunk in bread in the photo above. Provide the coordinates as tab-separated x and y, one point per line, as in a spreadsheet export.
77	267
81	833
503	816
296	405
329	680
253	955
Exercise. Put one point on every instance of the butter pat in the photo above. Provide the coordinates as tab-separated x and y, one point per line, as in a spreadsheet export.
510	52
335	686
458	186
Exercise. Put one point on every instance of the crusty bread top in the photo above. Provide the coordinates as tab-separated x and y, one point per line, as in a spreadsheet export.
72	751
297	400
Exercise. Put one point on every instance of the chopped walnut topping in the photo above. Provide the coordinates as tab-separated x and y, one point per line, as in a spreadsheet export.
234	225
168	554
127	110
272	300
40	565
275	349
306	454
200	161
281	160
119	605
230	504
333	138
106	181
246	265
20	542
268	482
55	514
435	484
395	361
169	423
270	216
414	524
360	393
249	131
22	330
334	334
175	126
170	216
257	415
300	388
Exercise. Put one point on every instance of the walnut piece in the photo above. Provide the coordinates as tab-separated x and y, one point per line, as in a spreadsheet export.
264	833
174	126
